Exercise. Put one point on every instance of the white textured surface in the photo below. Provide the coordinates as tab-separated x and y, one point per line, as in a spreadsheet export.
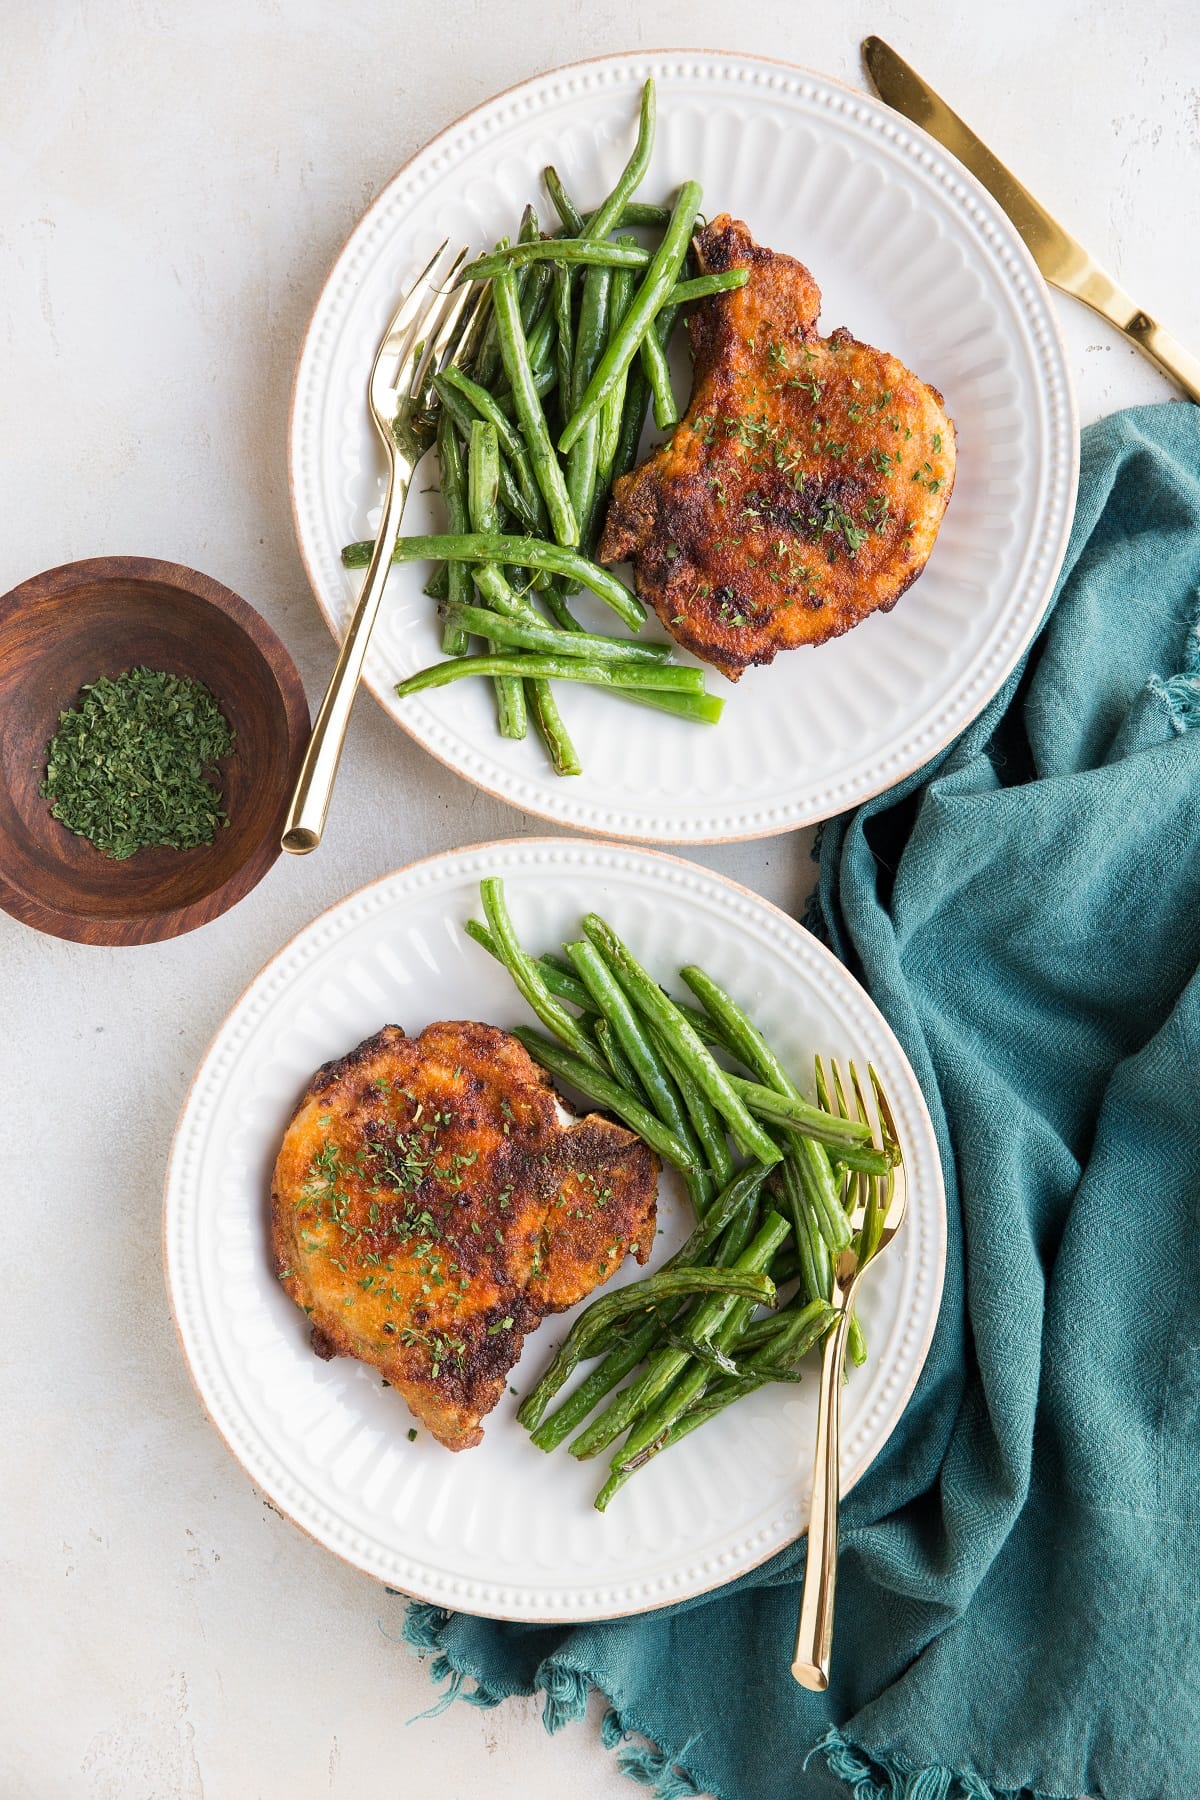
908	252
174	183
507	1531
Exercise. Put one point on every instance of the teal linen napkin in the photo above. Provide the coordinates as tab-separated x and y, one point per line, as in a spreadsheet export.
1019	1592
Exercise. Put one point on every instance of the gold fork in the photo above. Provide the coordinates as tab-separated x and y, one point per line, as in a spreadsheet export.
876	1204
434	326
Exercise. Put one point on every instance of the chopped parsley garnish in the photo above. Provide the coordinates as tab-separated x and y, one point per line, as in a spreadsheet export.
133	764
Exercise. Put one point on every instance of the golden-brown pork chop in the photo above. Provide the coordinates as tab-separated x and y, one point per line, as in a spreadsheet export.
805	485
429	1207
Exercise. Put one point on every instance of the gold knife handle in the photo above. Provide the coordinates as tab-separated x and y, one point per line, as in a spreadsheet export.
1166	351
814	1636
1099	291
307	813
1061	258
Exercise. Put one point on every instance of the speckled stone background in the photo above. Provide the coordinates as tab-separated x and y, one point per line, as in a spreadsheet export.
174	181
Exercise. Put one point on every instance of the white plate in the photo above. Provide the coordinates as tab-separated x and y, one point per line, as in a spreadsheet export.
503	1529
911	254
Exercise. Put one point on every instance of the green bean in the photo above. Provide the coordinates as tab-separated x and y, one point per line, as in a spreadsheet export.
607	214
667	1364
540	357
604	1091
591	253
729	1320
777	1361
634	212
560	612
515	354
727	1226
525	235
528	978
486	364
633	420
800	1328
565	207
662	1012
820	1190
654	362
564	987
620	1067
706	1121
644	213
669	1284
617	1364
720	1237
701	286
713	1401
590	340
519	552
716	1397
533	633
529	512
697	708
614	406
564	341
516	504
805	1122
541	353
483	404
532	666
780	1331
438	584
734	1204
483	483
560	977
786	1266
613	210
533	280
454	493
647	301
736	1199
739	1031
752	1048
564	758
722	1394
849	1140
736	1236
545	375
816	1271
660	1090
705	1029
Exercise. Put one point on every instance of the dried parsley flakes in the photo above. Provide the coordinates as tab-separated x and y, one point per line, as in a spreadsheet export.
133	763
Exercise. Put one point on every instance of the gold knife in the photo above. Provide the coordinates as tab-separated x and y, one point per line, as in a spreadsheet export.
1061	258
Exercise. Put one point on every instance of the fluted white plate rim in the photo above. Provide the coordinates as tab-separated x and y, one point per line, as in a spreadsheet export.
199	1227
933	710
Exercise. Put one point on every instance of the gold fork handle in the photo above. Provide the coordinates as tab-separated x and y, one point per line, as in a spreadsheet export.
814	1636
307	813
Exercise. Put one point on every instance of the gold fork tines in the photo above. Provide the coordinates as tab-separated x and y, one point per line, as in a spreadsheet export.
876	1205
431	329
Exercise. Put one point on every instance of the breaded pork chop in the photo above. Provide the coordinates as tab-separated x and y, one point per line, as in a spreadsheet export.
805	485
429	1207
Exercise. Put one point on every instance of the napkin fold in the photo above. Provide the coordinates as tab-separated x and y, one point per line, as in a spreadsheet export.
1019	1587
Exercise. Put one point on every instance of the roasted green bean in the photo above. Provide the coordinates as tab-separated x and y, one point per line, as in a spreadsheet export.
659	279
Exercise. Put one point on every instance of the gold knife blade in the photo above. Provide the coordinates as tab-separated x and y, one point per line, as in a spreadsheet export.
1061	258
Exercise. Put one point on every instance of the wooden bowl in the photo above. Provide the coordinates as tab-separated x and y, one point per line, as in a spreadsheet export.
87	619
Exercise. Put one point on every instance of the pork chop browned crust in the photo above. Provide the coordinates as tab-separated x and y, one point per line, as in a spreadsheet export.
429	1207
805	485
